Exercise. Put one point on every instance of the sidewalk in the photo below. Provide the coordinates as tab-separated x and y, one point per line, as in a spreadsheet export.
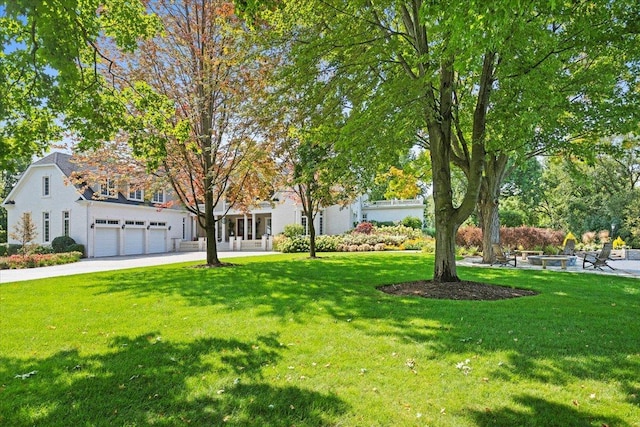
94	265
625	268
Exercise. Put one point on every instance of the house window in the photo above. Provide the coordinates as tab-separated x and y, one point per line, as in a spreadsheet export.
268	229
136	194
320	225
305	224
108	189
65	223
46	227
364	216
46	188
158	197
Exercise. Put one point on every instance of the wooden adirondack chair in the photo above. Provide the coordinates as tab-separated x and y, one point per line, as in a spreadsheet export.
598	260
501	257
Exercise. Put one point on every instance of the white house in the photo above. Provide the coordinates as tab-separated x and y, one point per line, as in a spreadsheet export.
240	230
125	222
120	223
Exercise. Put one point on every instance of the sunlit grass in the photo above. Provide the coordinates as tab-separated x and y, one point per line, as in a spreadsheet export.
284	340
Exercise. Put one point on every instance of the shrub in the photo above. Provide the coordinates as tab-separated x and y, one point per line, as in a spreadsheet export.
365	248
77	247
379	247
9	249
295	244
39	260
514	237
326	243
293	230
603	236
278	240
38	249
364	228
618	243
412	222
589	237
469	236
61	244
530	237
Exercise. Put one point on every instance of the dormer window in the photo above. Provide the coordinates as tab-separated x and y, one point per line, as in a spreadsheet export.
136	194
158	197
46	187
108	188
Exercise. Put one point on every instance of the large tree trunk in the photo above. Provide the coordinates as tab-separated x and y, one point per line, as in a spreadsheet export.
307	207
445	263
210	229
488	203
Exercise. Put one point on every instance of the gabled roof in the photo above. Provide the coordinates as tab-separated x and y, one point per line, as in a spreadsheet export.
64	162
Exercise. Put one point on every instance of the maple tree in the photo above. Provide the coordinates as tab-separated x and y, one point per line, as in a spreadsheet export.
443	73
49	82
190	96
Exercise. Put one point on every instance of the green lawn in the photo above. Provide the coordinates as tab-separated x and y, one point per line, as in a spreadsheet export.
282	340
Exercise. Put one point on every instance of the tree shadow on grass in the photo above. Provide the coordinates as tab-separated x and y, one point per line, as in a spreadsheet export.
540	412
556	338
146	381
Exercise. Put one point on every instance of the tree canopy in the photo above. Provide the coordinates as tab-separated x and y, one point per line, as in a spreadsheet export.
454	76
49	61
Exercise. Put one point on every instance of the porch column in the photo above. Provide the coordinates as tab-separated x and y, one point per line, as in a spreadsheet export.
253	226
224	229
244	232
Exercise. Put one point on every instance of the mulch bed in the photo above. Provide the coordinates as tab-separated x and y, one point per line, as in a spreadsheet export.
464	290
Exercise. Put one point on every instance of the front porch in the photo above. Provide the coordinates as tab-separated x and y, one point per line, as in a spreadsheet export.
238	232
265	243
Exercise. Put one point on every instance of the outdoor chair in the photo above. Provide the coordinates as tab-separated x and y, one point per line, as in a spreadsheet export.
569	248
501	257
598	260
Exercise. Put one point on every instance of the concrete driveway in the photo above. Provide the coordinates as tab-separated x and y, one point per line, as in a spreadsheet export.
94	265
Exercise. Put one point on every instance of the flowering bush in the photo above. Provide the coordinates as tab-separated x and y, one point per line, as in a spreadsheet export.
295	244
293	230
618	243
38	260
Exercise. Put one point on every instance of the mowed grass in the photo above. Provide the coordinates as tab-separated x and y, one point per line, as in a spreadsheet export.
287	341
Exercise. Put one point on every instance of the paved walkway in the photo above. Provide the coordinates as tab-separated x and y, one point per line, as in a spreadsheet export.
622	267
94	265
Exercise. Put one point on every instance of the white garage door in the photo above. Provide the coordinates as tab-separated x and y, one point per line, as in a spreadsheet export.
157	240
107	242
133	241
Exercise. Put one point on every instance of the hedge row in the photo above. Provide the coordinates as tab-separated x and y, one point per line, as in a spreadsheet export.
513	237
